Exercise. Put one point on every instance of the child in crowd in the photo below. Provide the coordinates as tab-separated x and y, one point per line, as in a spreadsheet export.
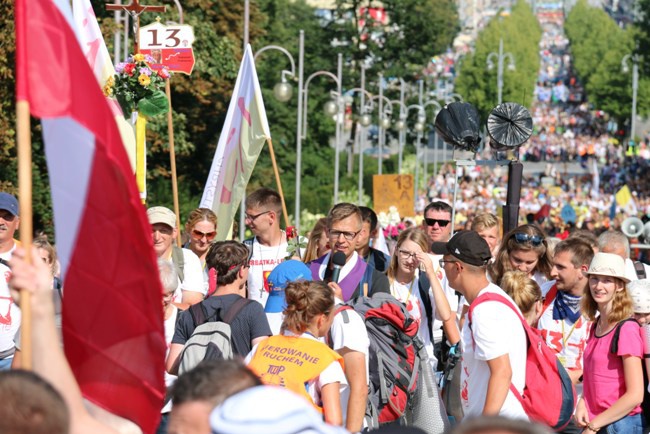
296	359
526	294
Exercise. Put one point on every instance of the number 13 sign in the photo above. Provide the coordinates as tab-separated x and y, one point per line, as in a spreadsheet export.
170	46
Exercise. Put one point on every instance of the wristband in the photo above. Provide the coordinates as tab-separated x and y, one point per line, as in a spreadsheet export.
592	428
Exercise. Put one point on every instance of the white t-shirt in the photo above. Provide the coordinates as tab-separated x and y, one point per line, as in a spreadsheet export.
9	312
409	294
495	330
263	260
170	326
192	276
351	335
450	293
567	339
332	374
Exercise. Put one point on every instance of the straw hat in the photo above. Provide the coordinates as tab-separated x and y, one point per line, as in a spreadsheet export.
608	264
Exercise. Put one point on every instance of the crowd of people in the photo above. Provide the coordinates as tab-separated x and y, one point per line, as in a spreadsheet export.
285	326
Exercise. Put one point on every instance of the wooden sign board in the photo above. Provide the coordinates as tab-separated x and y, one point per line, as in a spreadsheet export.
394	190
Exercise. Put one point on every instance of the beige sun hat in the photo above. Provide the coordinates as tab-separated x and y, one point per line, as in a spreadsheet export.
640	292
608	264
160	214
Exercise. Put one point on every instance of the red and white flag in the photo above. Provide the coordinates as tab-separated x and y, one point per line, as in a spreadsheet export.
112	314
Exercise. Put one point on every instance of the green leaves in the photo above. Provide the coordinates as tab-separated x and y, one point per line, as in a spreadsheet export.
154	105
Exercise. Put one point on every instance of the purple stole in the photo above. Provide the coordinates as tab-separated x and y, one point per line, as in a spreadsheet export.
349	283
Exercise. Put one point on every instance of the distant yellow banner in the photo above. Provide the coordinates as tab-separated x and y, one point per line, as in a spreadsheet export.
394	190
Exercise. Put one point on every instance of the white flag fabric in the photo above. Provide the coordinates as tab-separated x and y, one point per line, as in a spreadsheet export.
94	48
244	133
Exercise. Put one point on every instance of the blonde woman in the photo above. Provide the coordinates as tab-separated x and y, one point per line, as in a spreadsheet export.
613	374
414	283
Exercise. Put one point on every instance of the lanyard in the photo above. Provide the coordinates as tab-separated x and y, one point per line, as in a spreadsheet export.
564	340
393	291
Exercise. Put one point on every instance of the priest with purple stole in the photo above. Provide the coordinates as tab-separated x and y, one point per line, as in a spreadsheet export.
350	277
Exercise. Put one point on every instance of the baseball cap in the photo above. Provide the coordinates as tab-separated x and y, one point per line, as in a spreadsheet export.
160	214
468	246
276	411
285	272
640	292
8	202
608	264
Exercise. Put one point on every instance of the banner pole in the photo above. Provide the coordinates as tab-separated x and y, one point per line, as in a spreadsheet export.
277	180
25	195
172	160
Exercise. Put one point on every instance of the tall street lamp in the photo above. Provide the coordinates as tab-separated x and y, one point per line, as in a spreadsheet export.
500	57
332	108
438	107
636	59
365	119
283	92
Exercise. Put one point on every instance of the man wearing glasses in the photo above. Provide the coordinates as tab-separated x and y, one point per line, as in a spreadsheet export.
191	288
343	228
493	339
268	247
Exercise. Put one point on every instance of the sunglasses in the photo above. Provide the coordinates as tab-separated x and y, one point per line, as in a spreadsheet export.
535	240
198	235
441	223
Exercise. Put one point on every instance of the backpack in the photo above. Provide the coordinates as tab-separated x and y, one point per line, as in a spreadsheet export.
211	338
639	269
179	261
393	360
548	397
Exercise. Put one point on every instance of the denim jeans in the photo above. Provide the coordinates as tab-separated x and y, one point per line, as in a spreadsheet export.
627	425
5	364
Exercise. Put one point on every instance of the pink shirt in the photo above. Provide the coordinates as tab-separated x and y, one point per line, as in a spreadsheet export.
604	380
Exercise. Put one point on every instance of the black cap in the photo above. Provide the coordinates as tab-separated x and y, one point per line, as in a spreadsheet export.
468	246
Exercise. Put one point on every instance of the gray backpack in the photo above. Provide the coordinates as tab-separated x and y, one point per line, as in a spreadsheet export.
211	339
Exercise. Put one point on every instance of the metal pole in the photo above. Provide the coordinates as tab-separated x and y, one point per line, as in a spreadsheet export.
635	88
382	130
426	146
126	36
435	156
299	132
242	207
117	15
362	140
500	71
402	132
339	126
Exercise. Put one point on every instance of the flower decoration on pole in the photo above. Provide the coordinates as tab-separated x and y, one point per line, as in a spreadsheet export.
138	87
391	223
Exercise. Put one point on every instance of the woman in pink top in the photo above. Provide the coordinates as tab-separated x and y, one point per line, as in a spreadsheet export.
613	375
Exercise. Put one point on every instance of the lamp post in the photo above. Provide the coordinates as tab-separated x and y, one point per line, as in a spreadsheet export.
364	122
334	108
636	58
500	57
437	106
283	92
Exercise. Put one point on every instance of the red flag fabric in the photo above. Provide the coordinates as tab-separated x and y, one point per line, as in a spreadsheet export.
112	307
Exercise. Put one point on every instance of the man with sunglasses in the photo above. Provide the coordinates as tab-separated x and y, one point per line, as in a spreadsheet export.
437	225
191	288
269	244
493	340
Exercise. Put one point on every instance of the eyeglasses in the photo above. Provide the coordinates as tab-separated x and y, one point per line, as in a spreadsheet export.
347	235
441	223
535	240
405	254
253	217
198	235
442	262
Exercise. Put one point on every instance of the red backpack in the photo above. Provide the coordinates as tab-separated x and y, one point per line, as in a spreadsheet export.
549	397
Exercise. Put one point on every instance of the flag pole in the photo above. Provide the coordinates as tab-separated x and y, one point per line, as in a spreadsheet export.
172	159
25	195
277	180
